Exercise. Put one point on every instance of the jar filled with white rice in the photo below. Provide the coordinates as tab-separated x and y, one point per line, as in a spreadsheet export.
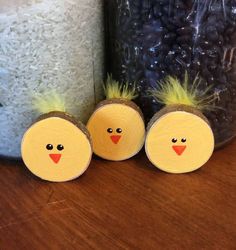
47	45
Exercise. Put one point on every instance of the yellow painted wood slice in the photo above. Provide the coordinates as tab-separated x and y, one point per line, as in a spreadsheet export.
56	148
179	140
117	129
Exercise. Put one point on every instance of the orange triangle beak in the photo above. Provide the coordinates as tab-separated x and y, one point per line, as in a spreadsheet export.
115	138
179	149
55	157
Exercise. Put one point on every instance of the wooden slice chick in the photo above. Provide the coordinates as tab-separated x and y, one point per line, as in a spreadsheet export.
179	138
117	126
56	147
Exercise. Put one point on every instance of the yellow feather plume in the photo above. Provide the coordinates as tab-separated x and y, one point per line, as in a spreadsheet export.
113	89
170	91
49	102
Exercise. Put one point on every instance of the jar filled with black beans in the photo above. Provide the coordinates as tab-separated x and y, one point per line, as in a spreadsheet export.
150	39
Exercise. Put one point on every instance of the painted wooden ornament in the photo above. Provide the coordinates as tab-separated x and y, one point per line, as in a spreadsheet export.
57	147
179	137
117	126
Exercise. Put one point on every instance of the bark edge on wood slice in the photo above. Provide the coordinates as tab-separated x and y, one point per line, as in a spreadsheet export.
117	129
57	147
179	139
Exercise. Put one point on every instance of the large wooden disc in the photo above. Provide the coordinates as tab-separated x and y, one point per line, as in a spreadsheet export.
179	141
56	148
117	129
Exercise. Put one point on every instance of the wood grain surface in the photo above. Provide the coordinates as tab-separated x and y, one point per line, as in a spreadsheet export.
121	205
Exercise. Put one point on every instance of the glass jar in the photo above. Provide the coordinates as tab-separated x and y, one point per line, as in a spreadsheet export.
47	45
150	39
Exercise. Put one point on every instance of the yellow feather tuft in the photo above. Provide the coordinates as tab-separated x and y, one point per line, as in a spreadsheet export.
170	91
113	89
49	102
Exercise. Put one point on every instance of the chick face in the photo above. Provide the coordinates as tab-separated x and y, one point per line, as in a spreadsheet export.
179	142
115	135
179	145
55	149
117	131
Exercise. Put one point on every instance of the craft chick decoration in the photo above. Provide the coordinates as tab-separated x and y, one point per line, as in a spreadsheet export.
179	137
56	147
117	126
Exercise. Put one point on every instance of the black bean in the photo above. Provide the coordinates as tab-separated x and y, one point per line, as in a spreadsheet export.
150	39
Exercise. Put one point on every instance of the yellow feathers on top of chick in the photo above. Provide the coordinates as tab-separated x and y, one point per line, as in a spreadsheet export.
171	91
48	103
113	89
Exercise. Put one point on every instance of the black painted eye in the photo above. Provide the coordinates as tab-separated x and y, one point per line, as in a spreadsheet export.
119	130
184	140
60	147
110	130
174	140
49	147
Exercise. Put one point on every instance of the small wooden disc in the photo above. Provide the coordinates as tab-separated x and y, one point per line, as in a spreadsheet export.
56	148
117	129
179	141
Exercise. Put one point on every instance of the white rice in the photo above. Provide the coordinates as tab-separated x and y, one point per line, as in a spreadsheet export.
44	46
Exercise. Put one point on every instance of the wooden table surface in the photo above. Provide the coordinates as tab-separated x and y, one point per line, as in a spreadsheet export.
121	205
